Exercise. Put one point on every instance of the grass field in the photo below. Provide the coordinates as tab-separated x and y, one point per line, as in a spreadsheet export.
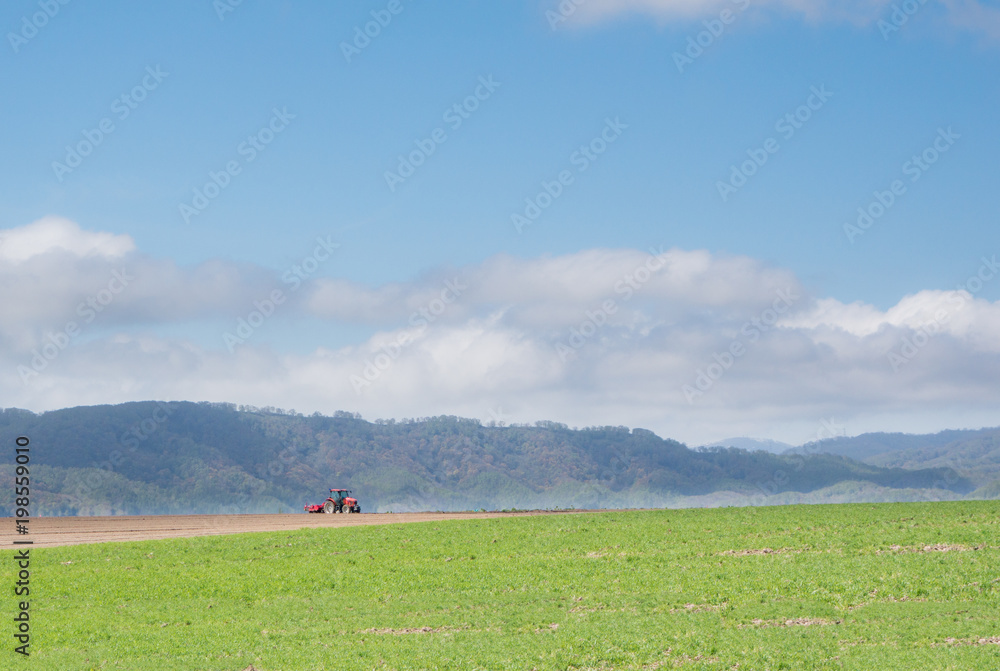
887	586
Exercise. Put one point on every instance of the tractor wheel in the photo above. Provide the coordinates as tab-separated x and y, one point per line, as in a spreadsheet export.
348	510
328	507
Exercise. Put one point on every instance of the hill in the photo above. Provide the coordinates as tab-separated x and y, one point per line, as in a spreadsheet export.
972	454
977	457
869	445
180	457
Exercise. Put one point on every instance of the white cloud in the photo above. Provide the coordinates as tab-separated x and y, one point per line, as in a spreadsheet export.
974	16
955	313
970	15
53	273
57	234
862	10
596	337
555	292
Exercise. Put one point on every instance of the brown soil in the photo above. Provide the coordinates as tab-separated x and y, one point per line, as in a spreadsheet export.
761	551
695	608
797	622
993	640
938	547
55	531
421	630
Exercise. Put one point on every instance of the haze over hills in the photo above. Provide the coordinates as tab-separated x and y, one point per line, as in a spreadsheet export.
181	457
752	444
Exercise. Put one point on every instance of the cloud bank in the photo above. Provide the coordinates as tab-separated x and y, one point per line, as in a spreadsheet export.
967	15
690	344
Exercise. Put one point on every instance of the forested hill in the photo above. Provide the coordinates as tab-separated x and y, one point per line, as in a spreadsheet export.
973	454
867	446
180	457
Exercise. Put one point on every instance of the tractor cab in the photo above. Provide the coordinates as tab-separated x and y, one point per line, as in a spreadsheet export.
338	495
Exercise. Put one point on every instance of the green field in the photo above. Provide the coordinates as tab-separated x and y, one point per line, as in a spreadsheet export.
887	586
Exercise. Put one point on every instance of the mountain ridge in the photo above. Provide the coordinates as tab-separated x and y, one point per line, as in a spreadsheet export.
169	457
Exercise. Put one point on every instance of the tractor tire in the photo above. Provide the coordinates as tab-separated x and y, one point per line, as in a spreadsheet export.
328	507
348	510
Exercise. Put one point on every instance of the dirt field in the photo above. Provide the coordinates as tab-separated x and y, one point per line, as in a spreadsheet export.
53	531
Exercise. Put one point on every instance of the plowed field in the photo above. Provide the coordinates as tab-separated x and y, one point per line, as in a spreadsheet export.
54	531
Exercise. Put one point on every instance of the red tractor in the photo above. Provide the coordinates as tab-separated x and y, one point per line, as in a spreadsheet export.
337	502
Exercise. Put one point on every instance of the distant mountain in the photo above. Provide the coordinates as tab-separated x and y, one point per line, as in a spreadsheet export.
869	445
976	456
180	457
753	444
972	454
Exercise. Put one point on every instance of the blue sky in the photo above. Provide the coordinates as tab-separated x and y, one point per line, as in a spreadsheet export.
345	121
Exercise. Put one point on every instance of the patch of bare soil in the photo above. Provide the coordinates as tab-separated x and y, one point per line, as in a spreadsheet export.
889	599
56	531
695	608
937	547
587	609
992	640
796	622
687	659
419	630
761	551
679	661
